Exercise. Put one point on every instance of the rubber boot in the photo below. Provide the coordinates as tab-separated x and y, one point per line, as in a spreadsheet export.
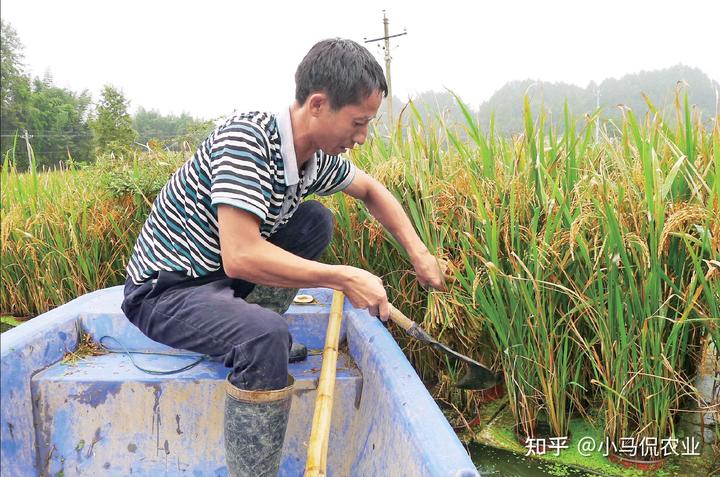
272	298
255	425
278	300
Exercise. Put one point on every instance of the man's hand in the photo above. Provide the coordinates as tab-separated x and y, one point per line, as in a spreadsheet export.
365	290
385	207
430	270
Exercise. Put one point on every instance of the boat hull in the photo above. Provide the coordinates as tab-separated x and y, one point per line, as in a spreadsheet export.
103	416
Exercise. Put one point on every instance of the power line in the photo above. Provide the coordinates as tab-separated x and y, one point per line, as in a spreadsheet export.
151	136
48	135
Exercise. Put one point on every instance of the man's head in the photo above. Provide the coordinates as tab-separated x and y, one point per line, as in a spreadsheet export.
345	71
341	86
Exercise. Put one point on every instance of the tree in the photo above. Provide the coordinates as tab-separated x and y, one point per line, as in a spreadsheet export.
170	131
112	127
11	67
659	85
14	90
58	120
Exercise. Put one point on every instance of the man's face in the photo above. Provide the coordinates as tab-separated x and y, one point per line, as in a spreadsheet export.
341	130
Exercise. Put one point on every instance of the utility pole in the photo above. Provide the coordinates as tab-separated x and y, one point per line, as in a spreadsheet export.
597	108
388	58
27	137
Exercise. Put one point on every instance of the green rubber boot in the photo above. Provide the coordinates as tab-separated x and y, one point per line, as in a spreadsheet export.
255	425
272	298
278	300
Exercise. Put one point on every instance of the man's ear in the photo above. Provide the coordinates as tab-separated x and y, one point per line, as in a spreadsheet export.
317	102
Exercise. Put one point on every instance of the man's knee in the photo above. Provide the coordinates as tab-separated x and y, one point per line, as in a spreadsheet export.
270	330
309	231
260	361
278	333
322	219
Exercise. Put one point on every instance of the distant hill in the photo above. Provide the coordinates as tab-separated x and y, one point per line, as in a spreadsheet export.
507	102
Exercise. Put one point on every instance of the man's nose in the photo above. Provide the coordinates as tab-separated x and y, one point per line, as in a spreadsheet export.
360	137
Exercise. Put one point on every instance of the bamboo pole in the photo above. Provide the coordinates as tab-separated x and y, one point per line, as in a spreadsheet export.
316	465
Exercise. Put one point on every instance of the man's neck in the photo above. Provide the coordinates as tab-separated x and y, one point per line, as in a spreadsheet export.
304	145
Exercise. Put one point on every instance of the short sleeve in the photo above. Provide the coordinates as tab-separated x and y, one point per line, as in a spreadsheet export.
239	168
335	173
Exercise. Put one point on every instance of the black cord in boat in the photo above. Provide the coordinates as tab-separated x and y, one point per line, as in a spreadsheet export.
129	353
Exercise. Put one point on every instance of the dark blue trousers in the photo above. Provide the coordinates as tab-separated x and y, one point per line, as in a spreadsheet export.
208	315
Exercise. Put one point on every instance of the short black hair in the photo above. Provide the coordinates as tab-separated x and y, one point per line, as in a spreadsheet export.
342	69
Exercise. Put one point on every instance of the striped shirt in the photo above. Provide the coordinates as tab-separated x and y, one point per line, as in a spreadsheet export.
247	162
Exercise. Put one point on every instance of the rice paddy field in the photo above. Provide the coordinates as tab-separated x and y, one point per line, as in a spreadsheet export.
584	260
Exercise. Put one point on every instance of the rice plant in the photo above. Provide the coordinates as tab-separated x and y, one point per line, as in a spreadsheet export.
655	286
582	270
585	272
68	232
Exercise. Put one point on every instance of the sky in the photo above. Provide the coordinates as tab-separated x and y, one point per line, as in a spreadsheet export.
209	58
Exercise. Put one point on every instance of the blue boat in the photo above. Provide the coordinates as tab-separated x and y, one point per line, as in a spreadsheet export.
101	415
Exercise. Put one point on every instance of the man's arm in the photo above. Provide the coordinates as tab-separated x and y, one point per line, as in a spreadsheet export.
388	211
246	255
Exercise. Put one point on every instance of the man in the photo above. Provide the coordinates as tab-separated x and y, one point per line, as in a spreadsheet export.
229	233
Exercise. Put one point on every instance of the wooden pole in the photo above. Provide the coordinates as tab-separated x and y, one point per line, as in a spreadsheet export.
316	465
27	137
388	59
